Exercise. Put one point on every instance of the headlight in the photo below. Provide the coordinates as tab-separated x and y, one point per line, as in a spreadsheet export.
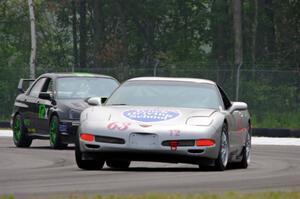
199	121
92	114
83	116
74	114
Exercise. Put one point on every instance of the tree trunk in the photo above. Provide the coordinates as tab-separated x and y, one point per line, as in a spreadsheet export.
33	40
253	43
220	30
82	34
238	48
74	32
265	32
98	31
237	30
149	27
123	34
270	27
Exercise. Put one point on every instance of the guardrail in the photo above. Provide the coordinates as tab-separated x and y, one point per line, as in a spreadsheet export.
4	124
259	132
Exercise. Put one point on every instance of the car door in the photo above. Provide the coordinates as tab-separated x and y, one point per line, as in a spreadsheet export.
232	119
32	102
44	106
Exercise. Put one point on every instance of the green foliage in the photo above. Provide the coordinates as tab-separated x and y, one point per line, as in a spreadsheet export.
265	97
135	33
190	38
277	120
272	97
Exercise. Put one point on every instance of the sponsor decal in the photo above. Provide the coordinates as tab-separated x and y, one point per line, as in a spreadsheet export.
174	133
120	126
150	115
43	111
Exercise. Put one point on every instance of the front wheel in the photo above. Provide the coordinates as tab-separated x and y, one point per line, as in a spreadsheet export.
89	163
246	152
54	133
20	137
222	160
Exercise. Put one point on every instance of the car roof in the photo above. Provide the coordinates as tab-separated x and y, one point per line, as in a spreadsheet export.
56	75
178	79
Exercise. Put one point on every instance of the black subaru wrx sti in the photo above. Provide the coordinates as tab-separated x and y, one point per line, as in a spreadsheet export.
50	108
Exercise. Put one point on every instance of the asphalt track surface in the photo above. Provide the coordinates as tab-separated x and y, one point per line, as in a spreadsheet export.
40	171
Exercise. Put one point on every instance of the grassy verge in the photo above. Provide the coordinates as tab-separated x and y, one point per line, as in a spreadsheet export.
229	195
277	120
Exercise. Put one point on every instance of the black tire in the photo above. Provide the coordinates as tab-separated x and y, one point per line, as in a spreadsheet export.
90	164
118	164
20	136
246	153
223	157
54	134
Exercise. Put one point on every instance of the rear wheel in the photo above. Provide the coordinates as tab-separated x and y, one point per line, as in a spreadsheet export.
20	137
222	160
118	164
54	133
90	163
246	152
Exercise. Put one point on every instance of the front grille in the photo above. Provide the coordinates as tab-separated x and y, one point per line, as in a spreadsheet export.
111	140
179	142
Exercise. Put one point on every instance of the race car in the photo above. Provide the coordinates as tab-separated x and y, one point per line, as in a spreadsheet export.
50	108
176	120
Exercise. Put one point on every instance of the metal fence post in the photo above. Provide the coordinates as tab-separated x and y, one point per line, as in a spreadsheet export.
155	67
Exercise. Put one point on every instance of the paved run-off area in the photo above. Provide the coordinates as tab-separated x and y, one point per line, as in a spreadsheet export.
40	171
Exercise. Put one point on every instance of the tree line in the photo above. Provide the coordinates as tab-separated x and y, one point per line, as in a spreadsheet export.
106	33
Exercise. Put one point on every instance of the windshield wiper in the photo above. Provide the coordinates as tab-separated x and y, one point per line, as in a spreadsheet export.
117	104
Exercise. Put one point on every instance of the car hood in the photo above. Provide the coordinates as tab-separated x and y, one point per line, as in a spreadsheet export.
145	115
75	104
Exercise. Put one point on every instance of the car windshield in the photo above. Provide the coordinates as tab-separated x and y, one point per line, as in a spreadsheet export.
166	93
84	87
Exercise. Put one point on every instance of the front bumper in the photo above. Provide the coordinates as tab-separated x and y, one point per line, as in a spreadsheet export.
68	129
154	150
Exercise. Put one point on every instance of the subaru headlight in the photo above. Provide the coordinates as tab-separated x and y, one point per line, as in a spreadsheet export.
74	114
199	121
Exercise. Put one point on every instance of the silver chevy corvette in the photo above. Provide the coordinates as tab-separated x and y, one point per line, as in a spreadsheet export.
176	120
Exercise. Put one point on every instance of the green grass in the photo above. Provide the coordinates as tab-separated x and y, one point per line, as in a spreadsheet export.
277	120
228	195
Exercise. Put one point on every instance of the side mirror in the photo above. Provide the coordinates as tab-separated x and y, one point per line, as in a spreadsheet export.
45	95
94	101
238	106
